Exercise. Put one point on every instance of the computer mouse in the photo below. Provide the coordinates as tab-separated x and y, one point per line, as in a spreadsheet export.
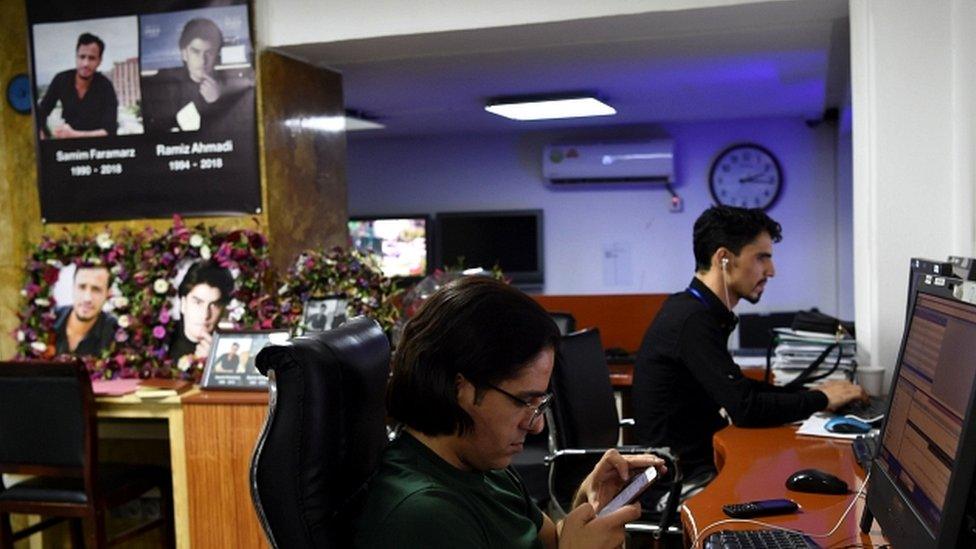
816	481
847	425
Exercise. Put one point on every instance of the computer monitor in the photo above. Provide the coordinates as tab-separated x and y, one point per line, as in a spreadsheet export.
922	477
512	240
401	242
918	268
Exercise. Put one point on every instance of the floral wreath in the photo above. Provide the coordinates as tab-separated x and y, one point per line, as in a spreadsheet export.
145	267
159	262
355	274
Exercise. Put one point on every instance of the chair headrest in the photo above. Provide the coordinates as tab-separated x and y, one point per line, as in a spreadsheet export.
326	431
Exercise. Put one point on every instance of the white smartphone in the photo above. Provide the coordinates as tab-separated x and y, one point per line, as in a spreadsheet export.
634	488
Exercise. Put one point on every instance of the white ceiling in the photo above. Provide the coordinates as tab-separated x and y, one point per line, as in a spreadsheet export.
766	59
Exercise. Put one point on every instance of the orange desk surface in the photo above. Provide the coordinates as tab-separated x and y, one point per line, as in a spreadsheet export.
755	463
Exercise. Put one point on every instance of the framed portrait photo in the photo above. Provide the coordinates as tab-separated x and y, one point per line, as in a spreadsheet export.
324	313
231	365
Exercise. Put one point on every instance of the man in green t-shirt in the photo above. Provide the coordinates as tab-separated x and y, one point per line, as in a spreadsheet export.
470	380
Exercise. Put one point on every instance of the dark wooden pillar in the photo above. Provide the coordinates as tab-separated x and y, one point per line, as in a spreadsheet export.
304	156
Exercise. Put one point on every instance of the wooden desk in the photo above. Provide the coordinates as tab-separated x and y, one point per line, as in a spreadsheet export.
211	435
221	429
170	410
755	463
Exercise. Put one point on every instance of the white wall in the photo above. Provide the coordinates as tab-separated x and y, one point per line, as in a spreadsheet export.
503	172
285	22
912	97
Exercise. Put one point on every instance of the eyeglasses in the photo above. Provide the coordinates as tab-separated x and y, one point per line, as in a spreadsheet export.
537	409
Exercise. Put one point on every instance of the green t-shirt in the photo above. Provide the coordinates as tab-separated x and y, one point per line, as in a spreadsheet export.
417	499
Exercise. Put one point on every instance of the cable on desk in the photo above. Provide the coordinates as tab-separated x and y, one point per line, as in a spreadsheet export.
698	538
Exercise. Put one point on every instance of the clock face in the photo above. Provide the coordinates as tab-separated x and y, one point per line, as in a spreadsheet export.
745	176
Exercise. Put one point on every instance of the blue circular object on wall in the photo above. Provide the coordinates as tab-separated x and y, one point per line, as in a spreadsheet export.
18	93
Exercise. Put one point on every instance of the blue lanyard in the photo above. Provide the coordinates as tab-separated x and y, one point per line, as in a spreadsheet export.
697	295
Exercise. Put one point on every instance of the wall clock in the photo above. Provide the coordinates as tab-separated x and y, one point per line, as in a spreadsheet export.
18	94
745	175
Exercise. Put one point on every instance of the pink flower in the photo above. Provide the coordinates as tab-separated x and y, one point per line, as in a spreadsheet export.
164	315
159	332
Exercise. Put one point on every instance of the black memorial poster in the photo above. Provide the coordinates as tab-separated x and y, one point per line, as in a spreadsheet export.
144	109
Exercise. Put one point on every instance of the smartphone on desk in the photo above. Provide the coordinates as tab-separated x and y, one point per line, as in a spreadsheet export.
761	508
631	492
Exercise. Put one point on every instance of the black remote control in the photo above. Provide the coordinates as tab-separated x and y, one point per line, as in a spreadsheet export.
760	508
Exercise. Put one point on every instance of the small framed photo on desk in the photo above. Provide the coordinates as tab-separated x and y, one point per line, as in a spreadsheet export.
231	364
324	314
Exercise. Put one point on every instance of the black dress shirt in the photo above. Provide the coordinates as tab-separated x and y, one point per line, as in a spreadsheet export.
99	337
684	374
97	110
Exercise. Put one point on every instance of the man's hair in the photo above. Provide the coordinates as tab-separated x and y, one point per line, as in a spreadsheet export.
89	38
732	228
201	28
211	274
102	266
478	327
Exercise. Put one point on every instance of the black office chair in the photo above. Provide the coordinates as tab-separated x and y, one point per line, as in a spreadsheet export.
584	423
48	429
323	435
566	322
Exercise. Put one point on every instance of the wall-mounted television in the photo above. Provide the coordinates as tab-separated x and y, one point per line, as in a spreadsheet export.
510	239
401	242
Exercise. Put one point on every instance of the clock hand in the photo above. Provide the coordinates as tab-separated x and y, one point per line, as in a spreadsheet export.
753	177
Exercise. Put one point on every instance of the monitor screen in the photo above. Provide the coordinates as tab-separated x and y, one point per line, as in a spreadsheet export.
512	240
401	242
920	459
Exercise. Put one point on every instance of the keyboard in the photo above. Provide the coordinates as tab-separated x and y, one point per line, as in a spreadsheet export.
766	539
869	412
865	449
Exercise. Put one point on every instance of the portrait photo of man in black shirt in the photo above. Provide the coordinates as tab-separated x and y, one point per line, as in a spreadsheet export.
89	106
229	361
82	328
195	95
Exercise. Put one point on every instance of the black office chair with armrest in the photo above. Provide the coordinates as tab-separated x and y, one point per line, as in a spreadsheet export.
48	429
323	435
566	322
584	423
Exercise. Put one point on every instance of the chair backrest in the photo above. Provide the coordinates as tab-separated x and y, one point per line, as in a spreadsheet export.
584	410
323	435
47	419
566	322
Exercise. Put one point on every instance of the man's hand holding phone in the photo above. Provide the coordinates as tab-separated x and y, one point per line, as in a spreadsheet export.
641	481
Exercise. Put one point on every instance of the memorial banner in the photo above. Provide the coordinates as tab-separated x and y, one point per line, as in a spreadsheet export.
144	109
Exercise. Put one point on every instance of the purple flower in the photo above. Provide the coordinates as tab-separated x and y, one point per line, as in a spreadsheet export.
164	315
159	332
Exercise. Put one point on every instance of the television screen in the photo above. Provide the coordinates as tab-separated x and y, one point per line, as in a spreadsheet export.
512	240
401	242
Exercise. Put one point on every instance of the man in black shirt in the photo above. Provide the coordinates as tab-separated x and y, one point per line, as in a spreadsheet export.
82	328
684	374
204	293
89	106
194	96
229	361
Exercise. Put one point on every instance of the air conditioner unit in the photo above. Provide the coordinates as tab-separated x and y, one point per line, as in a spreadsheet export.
640	161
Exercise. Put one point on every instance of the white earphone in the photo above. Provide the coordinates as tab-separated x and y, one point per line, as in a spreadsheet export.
725	284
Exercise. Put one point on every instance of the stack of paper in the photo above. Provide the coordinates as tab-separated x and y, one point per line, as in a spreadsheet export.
796	350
